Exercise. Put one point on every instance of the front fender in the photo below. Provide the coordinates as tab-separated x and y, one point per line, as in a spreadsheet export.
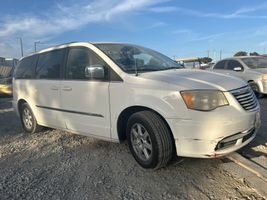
169	104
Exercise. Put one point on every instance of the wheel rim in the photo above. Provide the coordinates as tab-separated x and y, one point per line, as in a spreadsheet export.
27	118
141	142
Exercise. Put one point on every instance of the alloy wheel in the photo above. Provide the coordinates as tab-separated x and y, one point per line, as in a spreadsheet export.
27	118
141	142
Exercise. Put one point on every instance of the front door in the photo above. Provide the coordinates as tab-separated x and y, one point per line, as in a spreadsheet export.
85	100
231	65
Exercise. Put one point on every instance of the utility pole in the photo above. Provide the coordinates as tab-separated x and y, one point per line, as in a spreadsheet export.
214	54
208	51
220	54
35	45
21	46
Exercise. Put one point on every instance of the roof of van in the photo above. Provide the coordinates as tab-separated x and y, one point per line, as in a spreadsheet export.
238	57
60	46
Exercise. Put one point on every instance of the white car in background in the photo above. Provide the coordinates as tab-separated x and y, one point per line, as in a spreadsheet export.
252	69
117	92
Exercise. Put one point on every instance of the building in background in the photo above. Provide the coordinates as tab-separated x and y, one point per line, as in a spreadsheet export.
192	63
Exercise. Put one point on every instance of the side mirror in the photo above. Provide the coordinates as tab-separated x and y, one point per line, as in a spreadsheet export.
95	72
238	69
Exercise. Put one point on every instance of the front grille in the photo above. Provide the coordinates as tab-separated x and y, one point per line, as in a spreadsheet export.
246	98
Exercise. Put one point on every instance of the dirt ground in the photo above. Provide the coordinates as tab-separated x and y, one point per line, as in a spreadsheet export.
60	165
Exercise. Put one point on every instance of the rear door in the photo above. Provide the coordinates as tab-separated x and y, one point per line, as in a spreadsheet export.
46	88
85	100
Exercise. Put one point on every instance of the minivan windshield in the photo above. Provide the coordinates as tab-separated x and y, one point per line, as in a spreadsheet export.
132	57
255	63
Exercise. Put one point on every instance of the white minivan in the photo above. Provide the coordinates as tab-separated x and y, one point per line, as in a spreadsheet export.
117	92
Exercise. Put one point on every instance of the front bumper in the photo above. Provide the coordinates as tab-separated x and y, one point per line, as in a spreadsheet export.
208	149
214	136
262	86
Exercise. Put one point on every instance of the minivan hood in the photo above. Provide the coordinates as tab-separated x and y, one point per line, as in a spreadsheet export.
195	79
260	70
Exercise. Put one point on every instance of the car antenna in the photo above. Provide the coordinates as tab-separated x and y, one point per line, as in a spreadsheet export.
135	66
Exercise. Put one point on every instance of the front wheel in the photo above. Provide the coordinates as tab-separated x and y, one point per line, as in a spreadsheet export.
256	89
28	120
149	140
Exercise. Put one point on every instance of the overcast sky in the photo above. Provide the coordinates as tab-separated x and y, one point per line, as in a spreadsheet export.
174	27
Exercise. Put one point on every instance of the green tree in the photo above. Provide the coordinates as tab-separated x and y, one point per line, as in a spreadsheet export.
254	54
241	53
205	59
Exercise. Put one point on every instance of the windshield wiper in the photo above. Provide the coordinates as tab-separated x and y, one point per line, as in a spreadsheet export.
142	70
168	68
151	69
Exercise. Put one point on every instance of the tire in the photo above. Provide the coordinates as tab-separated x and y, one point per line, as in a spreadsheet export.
149	140
256	89
28	119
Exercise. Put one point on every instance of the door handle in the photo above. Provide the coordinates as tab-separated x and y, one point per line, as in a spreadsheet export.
67	88
54	87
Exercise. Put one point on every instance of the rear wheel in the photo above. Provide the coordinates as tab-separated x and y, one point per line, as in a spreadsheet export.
149	140
28	120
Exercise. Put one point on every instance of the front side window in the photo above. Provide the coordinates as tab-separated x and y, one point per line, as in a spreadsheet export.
83	64
255	63
26	68
132	57
49	64
233	64
220	65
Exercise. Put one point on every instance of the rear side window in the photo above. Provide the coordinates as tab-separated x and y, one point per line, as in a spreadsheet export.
220	65
26	68
49	64
78	59
233	64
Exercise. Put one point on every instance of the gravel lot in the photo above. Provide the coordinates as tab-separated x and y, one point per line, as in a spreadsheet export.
59	165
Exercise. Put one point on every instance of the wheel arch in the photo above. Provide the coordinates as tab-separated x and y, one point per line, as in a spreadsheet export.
19	104
125	115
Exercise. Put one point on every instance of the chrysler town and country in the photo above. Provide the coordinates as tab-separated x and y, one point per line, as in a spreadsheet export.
117	92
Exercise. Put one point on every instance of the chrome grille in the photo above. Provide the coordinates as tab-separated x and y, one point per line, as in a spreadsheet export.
246	98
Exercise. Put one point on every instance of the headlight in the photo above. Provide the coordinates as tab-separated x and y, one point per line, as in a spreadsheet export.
264	77
204	100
